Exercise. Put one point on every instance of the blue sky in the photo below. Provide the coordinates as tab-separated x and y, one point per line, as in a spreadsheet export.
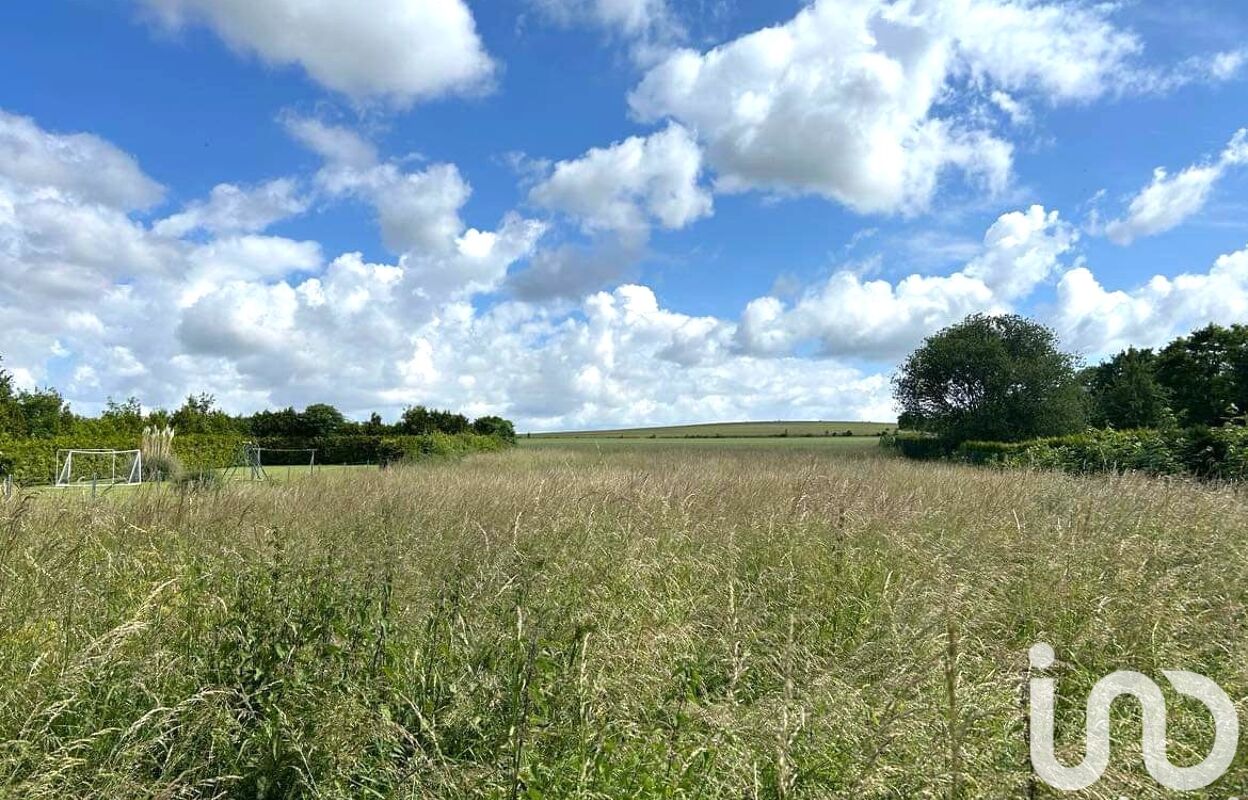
596	212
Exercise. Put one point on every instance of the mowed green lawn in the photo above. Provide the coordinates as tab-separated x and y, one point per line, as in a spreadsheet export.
732	430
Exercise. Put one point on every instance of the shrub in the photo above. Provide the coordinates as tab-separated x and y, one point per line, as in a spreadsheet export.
1213	453
159	461
916	445
988	452
1148	451
495	426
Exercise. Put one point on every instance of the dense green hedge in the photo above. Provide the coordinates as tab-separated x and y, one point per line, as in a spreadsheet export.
204	451
33	461
1214	453
916	445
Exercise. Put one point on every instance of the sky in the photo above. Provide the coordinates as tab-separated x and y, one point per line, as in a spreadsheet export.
591	213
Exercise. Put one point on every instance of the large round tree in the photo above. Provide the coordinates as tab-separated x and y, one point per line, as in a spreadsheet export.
1000	378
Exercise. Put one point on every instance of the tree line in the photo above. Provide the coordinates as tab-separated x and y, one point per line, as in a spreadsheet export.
44	414
1005	378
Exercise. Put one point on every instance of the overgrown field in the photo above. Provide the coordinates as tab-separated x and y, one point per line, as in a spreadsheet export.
567	622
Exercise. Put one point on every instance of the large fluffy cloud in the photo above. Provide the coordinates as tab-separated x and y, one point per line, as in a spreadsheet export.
261	320
464	317
416	210
857	100
1098	321
79	165
1169	200
627	185
398	50
849	315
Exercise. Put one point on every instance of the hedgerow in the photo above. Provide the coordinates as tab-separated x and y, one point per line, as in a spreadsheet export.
33	461
1212	453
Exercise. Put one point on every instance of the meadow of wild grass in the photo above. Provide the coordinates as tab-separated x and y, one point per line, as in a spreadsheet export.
570	622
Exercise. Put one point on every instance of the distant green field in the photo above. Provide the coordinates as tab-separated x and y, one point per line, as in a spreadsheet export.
636	443
731	430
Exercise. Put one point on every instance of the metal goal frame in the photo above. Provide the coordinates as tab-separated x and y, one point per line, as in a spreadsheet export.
124	467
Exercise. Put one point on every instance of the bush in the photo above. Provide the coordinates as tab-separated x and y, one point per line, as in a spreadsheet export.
988	452
917	446
163	466
1212	453
1149	451
495	426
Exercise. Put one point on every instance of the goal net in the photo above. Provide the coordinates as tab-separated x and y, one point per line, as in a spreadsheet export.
104	467
261	461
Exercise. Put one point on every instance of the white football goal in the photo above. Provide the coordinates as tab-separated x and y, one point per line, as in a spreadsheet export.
260	461
103	467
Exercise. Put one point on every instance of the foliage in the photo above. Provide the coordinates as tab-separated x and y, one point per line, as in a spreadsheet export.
44	413
1206	374
199	414
127	417
991	377
320	420
284	422
975	452
1154	452
1209	453
418	420
1125	393
201	452
919	446
495	426
33	461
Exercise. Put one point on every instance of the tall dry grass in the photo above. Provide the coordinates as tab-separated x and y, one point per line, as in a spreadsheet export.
664	623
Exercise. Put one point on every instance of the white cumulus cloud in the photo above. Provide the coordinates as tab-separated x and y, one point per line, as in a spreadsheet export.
855	100
396	50
847	315
237	209
1099	321
628	185
80	165
1169	200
